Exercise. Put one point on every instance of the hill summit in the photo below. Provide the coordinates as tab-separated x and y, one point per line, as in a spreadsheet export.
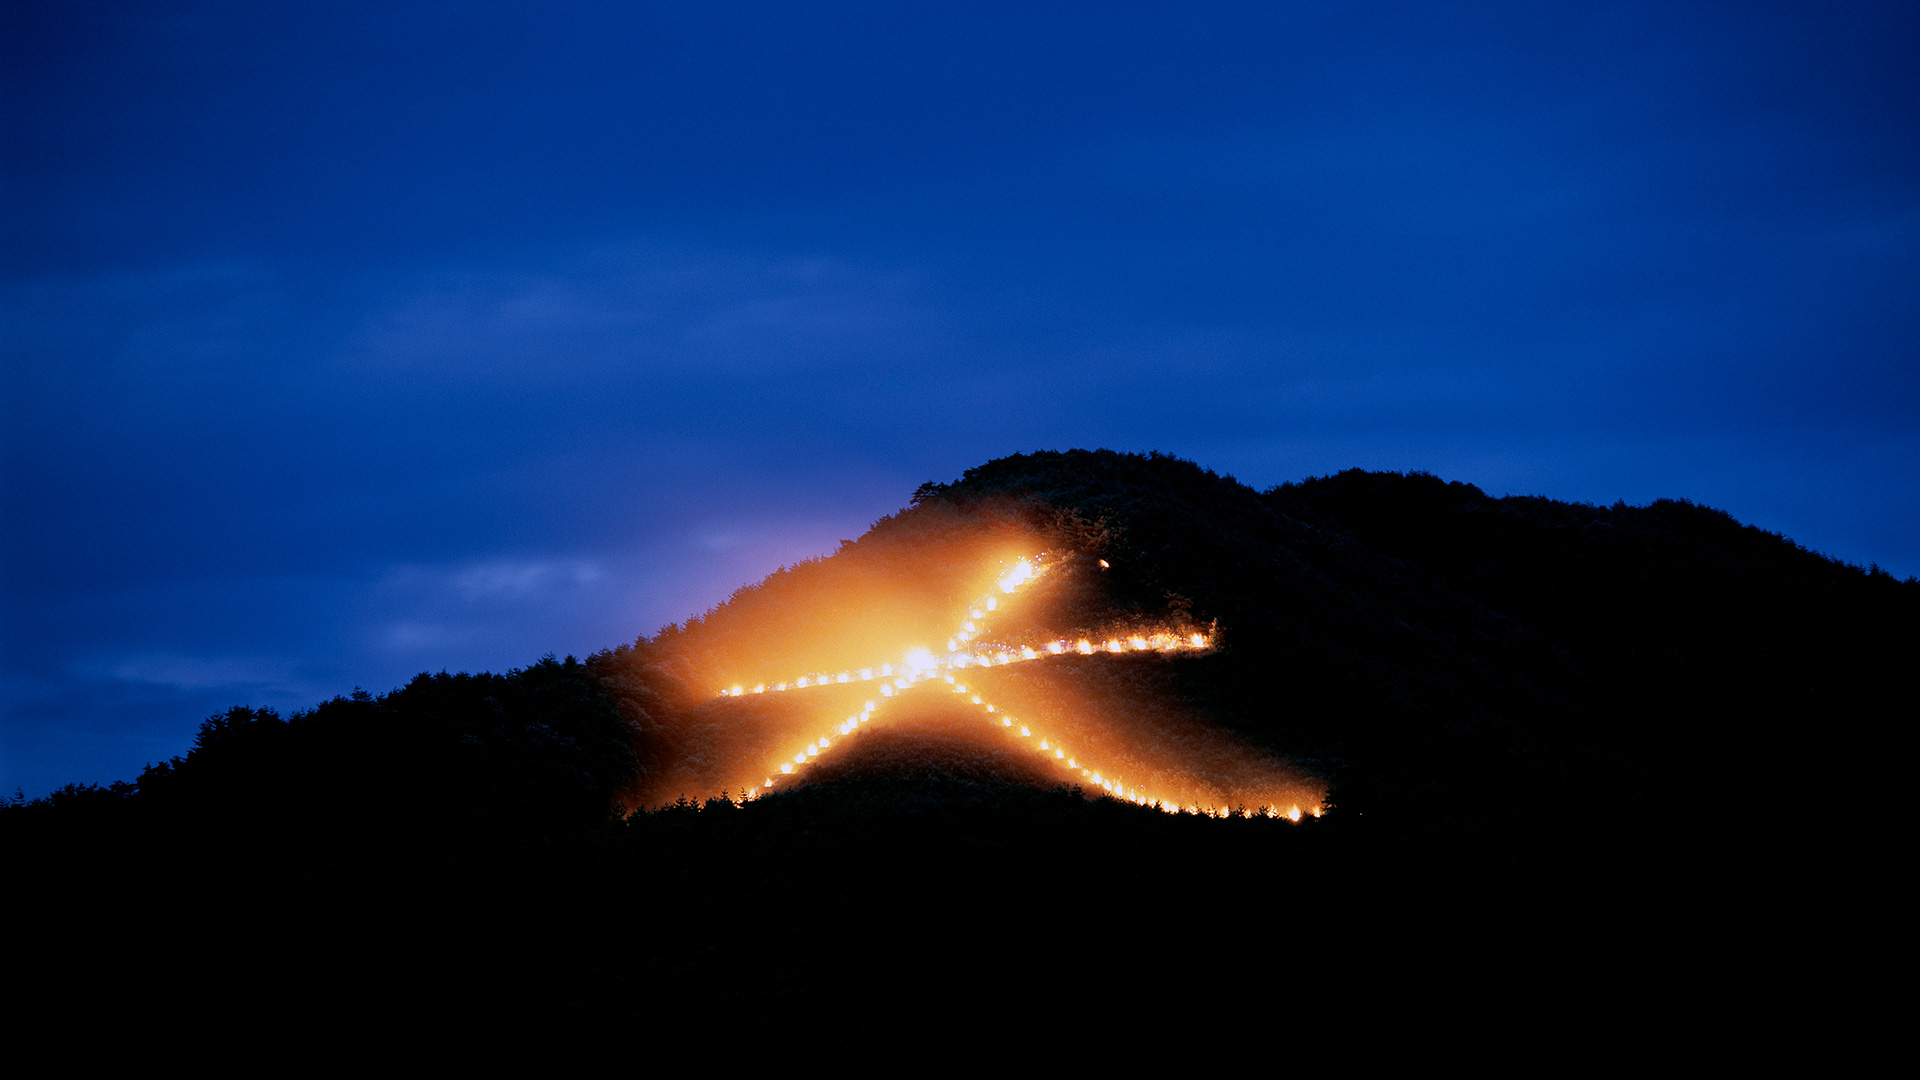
1432	655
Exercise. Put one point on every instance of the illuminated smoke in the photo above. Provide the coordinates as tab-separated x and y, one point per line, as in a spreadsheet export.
1066	724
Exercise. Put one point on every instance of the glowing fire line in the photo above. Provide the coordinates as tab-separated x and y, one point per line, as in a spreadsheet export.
922	666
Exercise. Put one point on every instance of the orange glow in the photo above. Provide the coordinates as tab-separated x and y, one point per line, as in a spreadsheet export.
1184	774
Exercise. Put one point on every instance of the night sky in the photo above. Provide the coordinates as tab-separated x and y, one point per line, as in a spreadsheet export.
344	342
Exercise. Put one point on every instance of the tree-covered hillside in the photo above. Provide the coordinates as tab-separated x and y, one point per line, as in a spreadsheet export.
1458	655
1512	689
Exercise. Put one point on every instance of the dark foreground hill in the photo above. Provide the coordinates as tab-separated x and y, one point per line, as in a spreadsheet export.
1532	717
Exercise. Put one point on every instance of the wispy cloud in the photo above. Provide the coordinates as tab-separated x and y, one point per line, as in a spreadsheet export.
643	309
520	579
182	672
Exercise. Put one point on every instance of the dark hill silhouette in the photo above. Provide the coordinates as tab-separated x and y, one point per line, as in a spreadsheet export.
1496	691
1447	659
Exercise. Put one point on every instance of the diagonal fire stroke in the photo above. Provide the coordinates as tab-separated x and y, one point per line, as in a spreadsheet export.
923	668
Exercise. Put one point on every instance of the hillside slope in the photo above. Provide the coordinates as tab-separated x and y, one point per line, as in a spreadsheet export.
1528	717
1444	659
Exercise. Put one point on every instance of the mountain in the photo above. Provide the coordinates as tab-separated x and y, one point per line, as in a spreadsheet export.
1357	703
1443	659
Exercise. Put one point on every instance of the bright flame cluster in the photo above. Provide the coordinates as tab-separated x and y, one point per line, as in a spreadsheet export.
920	665
962	652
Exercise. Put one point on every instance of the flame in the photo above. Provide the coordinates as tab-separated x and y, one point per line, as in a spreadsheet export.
1022	573
921	664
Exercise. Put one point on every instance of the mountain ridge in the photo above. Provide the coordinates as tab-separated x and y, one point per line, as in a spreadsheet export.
1501	697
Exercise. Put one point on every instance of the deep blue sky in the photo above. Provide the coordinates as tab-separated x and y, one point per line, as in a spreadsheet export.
348	341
